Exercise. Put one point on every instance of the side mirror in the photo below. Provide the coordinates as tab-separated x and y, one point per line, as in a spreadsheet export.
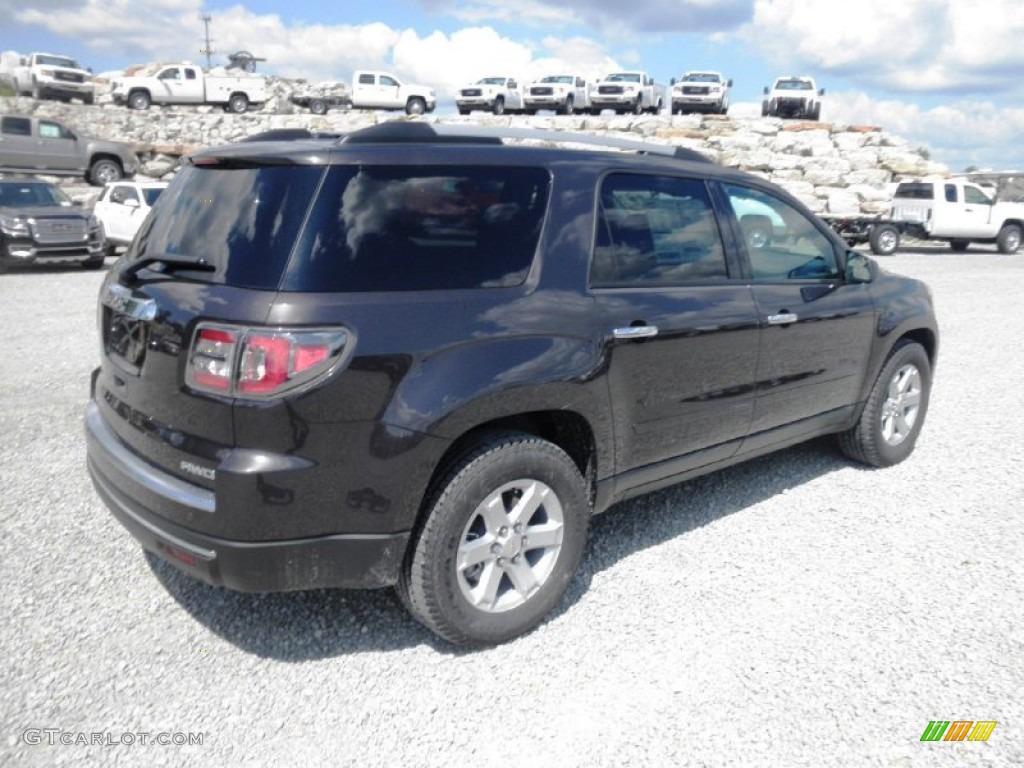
729	82
859	268
512	85
131	203
766	90
672	81
821	92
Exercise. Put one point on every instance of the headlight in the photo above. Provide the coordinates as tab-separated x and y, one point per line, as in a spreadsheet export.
630	89
46	72
14	225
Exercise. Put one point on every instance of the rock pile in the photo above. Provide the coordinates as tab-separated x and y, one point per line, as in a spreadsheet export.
833	168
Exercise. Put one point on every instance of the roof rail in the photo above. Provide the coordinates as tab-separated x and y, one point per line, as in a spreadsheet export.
395	131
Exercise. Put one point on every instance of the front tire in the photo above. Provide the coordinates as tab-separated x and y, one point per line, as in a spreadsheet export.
895	410
1008	239
568	108
504	533
498	108
415	106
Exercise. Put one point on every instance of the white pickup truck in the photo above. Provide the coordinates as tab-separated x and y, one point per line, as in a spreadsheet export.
624	92
565	94
701	92
189	84
791	96
953	210
491	94
383	90
44	74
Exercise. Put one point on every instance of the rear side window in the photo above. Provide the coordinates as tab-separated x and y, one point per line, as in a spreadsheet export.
655	231
244	221
418	228
915	191
16	126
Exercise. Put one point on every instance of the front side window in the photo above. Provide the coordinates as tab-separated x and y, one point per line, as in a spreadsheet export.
171	74
974	196
655	231
782	243
389	81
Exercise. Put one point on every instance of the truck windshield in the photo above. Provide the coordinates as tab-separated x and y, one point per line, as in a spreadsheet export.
491	81
700	77
624	77
56	61
793	85
558	79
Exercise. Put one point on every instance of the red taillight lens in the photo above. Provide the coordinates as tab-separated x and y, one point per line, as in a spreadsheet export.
261	363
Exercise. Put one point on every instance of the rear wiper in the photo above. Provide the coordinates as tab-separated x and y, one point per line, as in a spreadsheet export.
169	263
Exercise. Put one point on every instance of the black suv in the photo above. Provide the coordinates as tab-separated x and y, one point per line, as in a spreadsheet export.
39	223
420	356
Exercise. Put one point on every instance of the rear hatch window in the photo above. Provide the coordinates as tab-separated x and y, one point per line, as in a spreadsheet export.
915	191
351	228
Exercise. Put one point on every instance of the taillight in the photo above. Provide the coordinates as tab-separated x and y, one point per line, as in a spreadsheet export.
259	363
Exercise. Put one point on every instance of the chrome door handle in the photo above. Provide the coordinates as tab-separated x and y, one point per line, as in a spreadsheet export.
635	332
783	318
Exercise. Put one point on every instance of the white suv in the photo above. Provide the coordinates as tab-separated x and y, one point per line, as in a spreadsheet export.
123	207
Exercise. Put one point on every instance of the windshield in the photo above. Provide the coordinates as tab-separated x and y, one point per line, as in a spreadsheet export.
28	194
701	77
56	61
793	85
491	81
150	194
624	77
558	79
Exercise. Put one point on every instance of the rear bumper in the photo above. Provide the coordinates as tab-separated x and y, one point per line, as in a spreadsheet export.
123	481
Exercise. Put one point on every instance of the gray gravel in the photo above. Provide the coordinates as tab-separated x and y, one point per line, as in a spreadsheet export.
794	611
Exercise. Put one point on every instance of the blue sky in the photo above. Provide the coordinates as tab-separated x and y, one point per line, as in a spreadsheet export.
943	74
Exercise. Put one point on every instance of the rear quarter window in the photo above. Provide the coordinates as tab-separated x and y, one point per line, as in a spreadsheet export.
417	228
915	191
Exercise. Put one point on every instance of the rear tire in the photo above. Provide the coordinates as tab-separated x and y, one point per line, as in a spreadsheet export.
318	107
503	536
884	239
104	171
1008	240
139	100
895	410
238	103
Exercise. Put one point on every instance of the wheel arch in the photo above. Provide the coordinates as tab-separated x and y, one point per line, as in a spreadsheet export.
569	430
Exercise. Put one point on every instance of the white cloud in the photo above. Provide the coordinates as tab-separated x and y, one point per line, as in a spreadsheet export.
909	45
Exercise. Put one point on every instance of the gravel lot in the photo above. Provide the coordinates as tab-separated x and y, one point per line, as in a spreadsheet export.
797	610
